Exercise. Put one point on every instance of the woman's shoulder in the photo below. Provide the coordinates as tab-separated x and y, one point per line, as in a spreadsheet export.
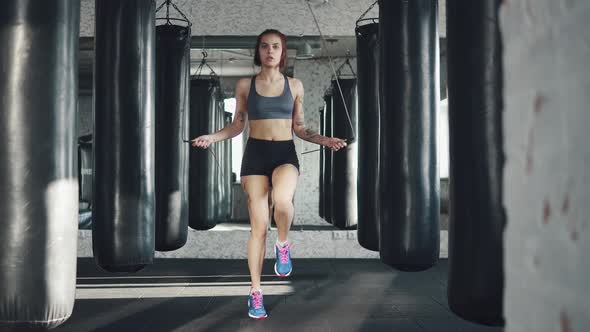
295	83
293	80
243	85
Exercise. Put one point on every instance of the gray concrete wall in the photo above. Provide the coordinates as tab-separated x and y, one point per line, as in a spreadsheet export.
546	180
251	17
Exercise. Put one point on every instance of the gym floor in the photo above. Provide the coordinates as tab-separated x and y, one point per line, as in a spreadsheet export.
211	295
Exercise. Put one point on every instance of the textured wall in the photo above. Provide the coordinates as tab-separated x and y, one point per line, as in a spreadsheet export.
239	17
546	179
316	76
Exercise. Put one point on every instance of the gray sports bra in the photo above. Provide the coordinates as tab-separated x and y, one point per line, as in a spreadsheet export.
261	107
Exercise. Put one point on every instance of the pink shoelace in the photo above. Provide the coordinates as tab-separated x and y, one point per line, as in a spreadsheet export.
284	253
257	300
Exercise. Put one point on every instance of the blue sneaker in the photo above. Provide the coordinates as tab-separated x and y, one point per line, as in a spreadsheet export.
256	305
283	265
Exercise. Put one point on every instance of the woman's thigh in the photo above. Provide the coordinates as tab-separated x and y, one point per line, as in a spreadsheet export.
256	188
284	183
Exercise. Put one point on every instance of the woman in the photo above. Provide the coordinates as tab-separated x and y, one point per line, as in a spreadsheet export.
273	105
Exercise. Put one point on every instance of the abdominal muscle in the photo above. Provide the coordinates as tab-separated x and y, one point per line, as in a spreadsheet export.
271	129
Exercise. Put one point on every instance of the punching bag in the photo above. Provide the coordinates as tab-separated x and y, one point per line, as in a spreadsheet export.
322	164
38	157
409	83
328	179
477	217
172	107
344	169
85	181
203	163
123	228
85	169
368	125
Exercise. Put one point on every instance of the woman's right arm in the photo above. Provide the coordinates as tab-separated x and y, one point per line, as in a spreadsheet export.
236	127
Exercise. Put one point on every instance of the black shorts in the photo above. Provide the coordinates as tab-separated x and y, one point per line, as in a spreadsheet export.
261	157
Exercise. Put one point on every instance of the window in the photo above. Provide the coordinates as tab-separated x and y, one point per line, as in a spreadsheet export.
236	142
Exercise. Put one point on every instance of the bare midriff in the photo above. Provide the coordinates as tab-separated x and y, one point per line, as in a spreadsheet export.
271	129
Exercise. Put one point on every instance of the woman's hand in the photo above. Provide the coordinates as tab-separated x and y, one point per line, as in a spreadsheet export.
203	141
335	144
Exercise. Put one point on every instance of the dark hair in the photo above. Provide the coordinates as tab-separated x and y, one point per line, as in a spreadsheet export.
284	47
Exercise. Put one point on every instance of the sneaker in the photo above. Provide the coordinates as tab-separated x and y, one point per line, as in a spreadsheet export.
256	305
283	265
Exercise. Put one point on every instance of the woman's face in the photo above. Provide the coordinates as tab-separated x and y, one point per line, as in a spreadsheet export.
270	50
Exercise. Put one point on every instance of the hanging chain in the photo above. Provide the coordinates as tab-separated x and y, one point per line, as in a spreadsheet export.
204	63
368	10
178	10
161	5
333	70
168	19
168	12
347	62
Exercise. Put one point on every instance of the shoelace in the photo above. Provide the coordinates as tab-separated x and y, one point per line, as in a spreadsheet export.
257	300
284	254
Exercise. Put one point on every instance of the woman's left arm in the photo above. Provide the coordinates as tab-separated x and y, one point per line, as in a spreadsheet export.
308	134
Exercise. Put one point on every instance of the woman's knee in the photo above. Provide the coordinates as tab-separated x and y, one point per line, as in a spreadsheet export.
259	232
258	205
283	205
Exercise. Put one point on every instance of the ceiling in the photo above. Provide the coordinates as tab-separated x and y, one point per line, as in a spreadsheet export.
239	62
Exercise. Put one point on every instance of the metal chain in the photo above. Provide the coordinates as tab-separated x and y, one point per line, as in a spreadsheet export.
181	13
168	3
168	11
160	6
204	63
347	62
368	10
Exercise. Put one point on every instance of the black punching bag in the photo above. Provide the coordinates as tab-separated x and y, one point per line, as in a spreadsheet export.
368	124
38	161
477	218
322	165
409	83
203	163
85	181
172	107
328	180
85	169
344	169
123	227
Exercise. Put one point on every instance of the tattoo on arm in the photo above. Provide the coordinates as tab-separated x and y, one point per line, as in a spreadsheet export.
306	133
237	125
299	122
241	116
300	100
311	136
